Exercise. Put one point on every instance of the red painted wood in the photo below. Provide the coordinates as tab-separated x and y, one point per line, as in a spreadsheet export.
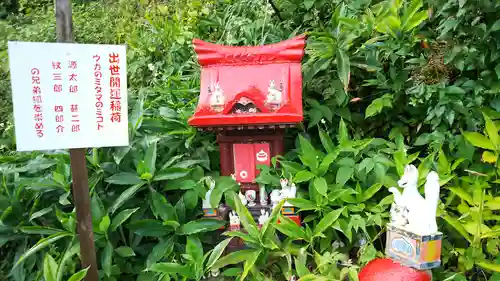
226	139
389	270
213	54
247	72
244	162
226	161
262	155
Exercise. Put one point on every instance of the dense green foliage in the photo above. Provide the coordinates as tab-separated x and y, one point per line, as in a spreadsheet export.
386	83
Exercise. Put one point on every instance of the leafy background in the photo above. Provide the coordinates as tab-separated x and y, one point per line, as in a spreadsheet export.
386	83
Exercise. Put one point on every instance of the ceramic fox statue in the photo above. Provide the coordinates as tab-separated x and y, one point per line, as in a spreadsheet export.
410	209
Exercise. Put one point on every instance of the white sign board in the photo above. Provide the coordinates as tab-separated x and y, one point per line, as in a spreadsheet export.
68	95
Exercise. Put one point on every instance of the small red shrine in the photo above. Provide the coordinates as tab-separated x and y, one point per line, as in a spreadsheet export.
249	95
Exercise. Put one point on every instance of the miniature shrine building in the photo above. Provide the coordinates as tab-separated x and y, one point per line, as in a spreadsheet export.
248	96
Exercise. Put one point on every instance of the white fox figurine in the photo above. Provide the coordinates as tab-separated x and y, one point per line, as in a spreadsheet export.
410	209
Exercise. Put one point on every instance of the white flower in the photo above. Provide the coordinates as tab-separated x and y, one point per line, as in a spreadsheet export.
151	66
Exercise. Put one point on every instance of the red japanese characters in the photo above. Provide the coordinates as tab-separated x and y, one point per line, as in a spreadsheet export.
114	83
37	102
98	92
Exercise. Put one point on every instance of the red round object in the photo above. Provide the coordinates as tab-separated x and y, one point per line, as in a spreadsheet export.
389	270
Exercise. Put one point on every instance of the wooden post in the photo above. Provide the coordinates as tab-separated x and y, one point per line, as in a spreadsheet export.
79	174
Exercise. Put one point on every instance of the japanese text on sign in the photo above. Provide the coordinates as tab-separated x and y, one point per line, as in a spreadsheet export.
74	102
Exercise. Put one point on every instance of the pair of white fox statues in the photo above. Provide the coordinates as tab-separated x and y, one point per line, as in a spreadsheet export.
410	210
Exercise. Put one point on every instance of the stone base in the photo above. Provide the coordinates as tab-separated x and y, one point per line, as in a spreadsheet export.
417	251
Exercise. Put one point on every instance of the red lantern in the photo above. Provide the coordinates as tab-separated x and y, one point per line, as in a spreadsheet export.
389	270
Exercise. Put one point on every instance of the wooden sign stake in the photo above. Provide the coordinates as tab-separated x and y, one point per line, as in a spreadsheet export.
79	174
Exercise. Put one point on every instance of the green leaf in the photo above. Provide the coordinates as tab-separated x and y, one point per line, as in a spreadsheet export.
489	266
121	218
457	226
288	227
489	157
71	251
161	250
249	263
308	5
161	207
171	268
343	68
245	217
371	191
125	196
463	194
455	90
327	161
195	249
303	176
312	277
343	135
478	140
42	243
42	230
171	174
308	153
243	236
40	213
495	26
327	221
125	252
491	234
150	158
416	20
217	252
104	225
200	225
152	228
124	179
320	185
107	259
302	204
300	263
344	174
378	105
79	275
327	141
233	258
49	268
491	130
267	231
411	11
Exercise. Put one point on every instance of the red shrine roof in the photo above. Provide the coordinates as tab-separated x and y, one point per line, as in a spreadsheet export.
249	86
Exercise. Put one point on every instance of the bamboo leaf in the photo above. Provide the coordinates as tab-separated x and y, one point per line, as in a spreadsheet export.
79	275
217	252
233	258
42	243
49	268
249	263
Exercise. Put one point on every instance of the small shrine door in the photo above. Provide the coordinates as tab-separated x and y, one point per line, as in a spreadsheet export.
247	156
